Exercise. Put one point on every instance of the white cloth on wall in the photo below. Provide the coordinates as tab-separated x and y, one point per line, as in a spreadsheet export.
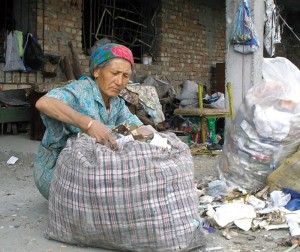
272	34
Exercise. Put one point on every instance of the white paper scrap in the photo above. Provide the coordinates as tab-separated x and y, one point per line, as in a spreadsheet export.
12	160
160	141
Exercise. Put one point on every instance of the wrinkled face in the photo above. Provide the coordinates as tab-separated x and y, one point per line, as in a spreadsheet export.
113	77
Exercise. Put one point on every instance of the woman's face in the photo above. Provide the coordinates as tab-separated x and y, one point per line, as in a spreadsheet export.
112	78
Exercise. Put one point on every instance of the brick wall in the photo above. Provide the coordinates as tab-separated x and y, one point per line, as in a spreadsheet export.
191	39
62	23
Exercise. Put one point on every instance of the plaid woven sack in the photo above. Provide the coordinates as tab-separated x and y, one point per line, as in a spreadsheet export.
140	198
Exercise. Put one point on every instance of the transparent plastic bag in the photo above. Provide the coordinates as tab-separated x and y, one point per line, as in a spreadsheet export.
266	127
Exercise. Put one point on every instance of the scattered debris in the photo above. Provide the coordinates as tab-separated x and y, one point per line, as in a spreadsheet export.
214	249
240	210
201	149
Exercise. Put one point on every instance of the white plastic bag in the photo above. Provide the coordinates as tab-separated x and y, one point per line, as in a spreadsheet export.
189	91
220	103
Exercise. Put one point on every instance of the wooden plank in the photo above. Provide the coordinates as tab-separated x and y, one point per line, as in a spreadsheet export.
202	112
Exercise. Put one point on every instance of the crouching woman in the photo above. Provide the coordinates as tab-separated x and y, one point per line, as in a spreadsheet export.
90	105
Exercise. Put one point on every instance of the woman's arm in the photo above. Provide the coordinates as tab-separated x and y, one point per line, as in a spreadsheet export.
60	111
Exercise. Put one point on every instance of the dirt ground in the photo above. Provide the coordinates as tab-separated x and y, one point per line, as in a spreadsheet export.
23	213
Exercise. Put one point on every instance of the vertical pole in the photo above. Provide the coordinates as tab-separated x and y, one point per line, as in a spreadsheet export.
243	70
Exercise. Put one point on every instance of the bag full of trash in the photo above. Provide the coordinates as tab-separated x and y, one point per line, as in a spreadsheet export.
266	128
139	198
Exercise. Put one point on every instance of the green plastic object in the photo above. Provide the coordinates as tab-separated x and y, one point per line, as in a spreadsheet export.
190	140
211	128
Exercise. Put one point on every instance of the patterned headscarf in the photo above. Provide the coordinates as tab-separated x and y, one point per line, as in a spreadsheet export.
107	52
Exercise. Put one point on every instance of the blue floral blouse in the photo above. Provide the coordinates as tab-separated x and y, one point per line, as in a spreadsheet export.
83	96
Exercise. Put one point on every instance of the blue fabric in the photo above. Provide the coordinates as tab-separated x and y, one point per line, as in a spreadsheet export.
294	194
294	203
83	96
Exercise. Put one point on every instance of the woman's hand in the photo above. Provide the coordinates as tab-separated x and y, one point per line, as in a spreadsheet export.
102	134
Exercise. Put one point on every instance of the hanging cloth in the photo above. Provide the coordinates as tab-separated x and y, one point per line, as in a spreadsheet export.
34	58
19	36
272	28
243	34
13	61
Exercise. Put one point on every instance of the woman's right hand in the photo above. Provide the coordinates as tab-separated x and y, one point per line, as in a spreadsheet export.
61	111
102	134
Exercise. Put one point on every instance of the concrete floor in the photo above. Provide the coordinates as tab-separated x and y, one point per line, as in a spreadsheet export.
19	143
23	211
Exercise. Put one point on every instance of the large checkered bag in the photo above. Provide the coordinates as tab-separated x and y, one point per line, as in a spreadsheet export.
140	198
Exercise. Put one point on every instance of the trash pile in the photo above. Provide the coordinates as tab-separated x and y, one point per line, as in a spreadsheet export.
188	98
259	168
188	95
237	212
248	211
154	102
147	100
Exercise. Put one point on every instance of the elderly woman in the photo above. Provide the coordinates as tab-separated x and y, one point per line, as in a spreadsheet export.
90	105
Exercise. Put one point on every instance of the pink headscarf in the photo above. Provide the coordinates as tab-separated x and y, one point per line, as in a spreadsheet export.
107	52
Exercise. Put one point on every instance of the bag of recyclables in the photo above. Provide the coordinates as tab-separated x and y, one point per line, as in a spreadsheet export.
140	198
266	127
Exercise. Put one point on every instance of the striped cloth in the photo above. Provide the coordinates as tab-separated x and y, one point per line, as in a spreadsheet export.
141	198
